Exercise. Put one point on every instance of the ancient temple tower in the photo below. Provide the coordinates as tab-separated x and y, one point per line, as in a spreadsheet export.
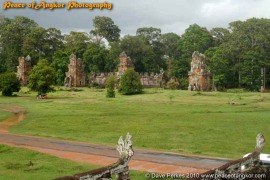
124	64
23	69
75	77
199	77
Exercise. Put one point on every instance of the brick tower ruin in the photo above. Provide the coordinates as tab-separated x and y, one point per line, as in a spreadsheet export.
23	69
75	77
124	64
199	77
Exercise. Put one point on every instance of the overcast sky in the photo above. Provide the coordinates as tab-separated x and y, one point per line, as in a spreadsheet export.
169	15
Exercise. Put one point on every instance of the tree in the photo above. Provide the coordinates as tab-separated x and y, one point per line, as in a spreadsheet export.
105	29
139	51
95	58
151	34
76	42
156	61
9	83
218	63
170	43
60	66
12	36
195	38
130	83
41	77
110	84
220	35
35	44
249	47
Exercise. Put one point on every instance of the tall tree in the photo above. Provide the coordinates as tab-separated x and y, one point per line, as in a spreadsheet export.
12	38
151	34
249	42
76	42
60	66
139	51
35	44
220	35
170	43
95	58
104	28
54	42
218	64
156	61
195	38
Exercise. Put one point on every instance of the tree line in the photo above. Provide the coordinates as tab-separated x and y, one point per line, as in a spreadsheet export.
237	56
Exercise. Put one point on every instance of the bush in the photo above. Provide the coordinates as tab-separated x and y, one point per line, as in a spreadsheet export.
130	83
110	83
9	83
41	77
172	84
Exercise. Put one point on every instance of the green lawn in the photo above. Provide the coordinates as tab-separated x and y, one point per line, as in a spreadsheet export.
178	121
4	115
14	164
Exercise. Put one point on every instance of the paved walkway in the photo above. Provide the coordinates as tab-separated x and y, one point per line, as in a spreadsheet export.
143	160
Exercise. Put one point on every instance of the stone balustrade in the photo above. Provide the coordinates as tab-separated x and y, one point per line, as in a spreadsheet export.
120	169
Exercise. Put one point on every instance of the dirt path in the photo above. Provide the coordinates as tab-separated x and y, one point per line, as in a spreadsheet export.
143	160
18	115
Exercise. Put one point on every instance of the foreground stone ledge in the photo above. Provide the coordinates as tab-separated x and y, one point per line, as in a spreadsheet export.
120	168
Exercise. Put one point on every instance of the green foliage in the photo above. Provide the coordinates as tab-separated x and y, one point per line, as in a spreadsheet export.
76	42
138	50
234	55
184	83
12	35
60	66
96	59
110	86
172	84
41	77
105	28
9	83
219	67
130	83
170	43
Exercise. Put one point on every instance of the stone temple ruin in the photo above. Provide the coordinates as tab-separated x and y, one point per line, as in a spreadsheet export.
147	80
199	77
75	77
23	69
124	63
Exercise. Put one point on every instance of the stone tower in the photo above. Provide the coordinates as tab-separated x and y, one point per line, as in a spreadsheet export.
199	77
124	64
75	77
23	69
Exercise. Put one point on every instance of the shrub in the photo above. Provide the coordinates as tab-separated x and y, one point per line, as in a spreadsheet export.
172	84
110	84
130	83
41	77
9	83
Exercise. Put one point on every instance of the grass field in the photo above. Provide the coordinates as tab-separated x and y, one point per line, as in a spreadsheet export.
177	121
14	164
4	115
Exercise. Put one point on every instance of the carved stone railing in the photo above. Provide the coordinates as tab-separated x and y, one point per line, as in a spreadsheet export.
247	165
120	168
